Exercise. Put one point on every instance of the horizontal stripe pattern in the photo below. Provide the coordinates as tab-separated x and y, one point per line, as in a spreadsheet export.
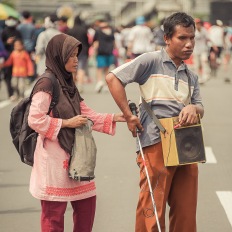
161	87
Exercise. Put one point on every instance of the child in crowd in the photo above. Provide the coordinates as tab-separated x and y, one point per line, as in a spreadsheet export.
22	68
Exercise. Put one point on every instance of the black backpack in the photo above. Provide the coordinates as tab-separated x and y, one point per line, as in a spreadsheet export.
24	138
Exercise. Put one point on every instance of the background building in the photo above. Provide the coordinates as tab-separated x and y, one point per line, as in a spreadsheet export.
119	11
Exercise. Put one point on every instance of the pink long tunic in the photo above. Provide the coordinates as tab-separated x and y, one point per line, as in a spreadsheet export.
49	176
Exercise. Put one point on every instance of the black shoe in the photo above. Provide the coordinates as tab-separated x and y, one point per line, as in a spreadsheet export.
227	80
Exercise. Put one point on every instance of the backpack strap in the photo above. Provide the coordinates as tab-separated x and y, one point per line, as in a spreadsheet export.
55	91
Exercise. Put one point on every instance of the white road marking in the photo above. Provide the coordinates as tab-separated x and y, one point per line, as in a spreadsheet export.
225	198
210	157
27	92
4	103
8	102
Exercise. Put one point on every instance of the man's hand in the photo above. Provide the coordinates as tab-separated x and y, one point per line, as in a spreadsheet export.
133	124
119	94
188	115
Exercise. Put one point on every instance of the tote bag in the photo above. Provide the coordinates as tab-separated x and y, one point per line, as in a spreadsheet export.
83	158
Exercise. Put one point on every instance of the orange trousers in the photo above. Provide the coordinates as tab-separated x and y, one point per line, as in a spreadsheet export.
177	186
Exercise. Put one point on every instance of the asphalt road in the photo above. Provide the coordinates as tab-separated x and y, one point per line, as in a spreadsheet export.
117	173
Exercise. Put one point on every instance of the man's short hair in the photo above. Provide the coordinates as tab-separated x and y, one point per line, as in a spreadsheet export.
63	19
53	18
179	18
26	14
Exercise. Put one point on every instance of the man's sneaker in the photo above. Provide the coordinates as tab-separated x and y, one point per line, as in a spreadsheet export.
99	86
105	89
227	80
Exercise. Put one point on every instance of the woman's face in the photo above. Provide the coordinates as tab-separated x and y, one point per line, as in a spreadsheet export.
71	65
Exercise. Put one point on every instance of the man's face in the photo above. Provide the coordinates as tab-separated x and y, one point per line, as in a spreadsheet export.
180	45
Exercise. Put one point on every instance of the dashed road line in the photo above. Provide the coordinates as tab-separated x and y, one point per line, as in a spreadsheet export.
8	102
210	157
225	198
4	103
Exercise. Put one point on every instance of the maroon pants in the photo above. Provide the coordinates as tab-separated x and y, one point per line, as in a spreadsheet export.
52	216
176	186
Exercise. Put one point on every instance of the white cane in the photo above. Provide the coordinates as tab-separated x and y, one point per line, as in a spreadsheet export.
133	109
149	184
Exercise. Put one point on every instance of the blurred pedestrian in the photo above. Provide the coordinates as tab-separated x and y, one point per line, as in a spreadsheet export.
3	56
39	27
227	54
140	38
119	50
50	24
80	32
158	34
50	181
63	24
9	34
23	68
200	52
27	30
125	32
217	38
104	44
3	51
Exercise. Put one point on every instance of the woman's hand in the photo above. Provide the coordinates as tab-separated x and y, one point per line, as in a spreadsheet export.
74	122
119	118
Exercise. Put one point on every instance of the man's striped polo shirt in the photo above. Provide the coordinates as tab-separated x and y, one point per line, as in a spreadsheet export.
163	86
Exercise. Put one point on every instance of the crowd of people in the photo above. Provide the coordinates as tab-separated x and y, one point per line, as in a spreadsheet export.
123	55
212	49
105	46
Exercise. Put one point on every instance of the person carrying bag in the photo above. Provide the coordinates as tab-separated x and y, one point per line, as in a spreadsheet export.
50	181
83	157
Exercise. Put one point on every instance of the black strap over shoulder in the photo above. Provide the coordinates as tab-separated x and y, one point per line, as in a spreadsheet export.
55	92
189	83
153	116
